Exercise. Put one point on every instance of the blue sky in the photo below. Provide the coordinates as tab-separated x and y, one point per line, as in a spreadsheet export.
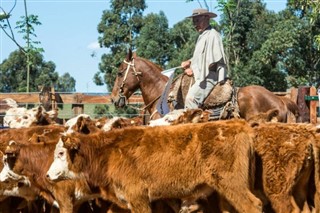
69	34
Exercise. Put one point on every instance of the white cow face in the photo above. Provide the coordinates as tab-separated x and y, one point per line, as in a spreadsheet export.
8	175
59	168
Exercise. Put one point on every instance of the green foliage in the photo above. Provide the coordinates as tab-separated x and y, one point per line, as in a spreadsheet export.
118	28
309	10
153	42
184	37
128	111
272	50
4	16
13	72
101	110
66	83
26	27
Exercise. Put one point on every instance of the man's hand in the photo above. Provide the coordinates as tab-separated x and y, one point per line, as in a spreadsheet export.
188	72
185	64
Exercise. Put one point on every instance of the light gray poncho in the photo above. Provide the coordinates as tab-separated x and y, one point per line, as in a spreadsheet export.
209	49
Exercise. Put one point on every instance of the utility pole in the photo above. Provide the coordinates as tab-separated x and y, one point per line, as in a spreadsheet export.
28	44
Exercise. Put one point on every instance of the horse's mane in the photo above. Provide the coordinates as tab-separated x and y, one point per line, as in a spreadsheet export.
150	63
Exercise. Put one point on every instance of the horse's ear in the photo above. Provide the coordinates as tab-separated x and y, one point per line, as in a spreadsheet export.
129	55
134	55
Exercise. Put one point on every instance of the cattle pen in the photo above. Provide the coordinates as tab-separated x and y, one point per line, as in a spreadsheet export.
78	103
87	165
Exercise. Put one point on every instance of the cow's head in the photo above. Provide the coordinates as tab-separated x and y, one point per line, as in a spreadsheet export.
9	175
81	124
64	165
269	116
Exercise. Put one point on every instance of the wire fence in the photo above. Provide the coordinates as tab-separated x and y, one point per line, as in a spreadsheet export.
96	105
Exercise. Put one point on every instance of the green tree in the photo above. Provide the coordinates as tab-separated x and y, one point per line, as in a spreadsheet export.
66	83
309	11
275	50
118	30
154	42
101	110
13	72
27	64
127	111
183	36
245	26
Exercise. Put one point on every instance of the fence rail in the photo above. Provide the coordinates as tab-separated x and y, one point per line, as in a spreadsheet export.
70	98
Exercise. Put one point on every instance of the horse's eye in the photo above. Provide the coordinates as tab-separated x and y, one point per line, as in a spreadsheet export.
120	74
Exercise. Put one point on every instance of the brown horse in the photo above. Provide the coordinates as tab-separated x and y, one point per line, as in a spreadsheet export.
138	73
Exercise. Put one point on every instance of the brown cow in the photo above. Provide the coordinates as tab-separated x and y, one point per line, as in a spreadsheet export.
286	155
31	161
143	164
28	135
36	160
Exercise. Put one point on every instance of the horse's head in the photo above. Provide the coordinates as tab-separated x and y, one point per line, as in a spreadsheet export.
45	97
127	81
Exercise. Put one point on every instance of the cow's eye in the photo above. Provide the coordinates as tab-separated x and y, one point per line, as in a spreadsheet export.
60	154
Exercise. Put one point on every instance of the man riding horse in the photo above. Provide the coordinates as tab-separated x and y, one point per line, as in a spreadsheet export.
208	64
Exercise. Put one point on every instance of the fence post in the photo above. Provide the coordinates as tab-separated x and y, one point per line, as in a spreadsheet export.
77	106
304	110
313	106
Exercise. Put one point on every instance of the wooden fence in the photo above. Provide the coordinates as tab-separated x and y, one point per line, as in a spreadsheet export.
305	97
77	101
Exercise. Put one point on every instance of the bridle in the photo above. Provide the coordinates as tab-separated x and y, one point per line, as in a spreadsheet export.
122	97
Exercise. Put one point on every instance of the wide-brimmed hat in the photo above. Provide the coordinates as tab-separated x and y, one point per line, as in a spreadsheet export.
202	12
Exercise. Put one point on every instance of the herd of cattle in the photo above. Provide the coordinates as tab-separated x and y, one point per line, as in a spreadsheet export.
180	163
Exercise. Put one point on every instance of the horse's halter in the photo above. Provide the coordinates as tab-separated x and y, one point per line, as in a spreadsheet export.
122	97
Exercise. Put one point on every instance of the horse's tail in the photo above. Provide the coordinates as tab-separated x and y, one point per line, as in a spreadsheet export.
291	106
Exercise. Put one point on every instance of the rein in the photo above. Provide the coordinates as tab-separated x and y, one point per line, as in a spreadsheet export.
147	106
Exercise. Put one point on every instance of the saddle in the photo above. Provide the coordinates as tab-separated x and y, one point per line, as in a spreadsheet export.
221	102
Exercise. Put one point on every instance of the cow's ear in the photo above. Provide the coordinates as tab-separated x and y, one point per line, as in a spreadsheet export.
12	149
72	143
272	114
254	124
79	124
63	138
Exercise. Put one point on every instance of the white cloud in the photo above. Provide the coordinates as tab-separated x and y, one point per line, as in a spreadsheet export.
94	45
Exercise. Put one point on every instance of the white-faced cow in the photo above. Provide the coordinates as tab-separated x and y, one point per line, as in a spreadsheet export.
21	117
